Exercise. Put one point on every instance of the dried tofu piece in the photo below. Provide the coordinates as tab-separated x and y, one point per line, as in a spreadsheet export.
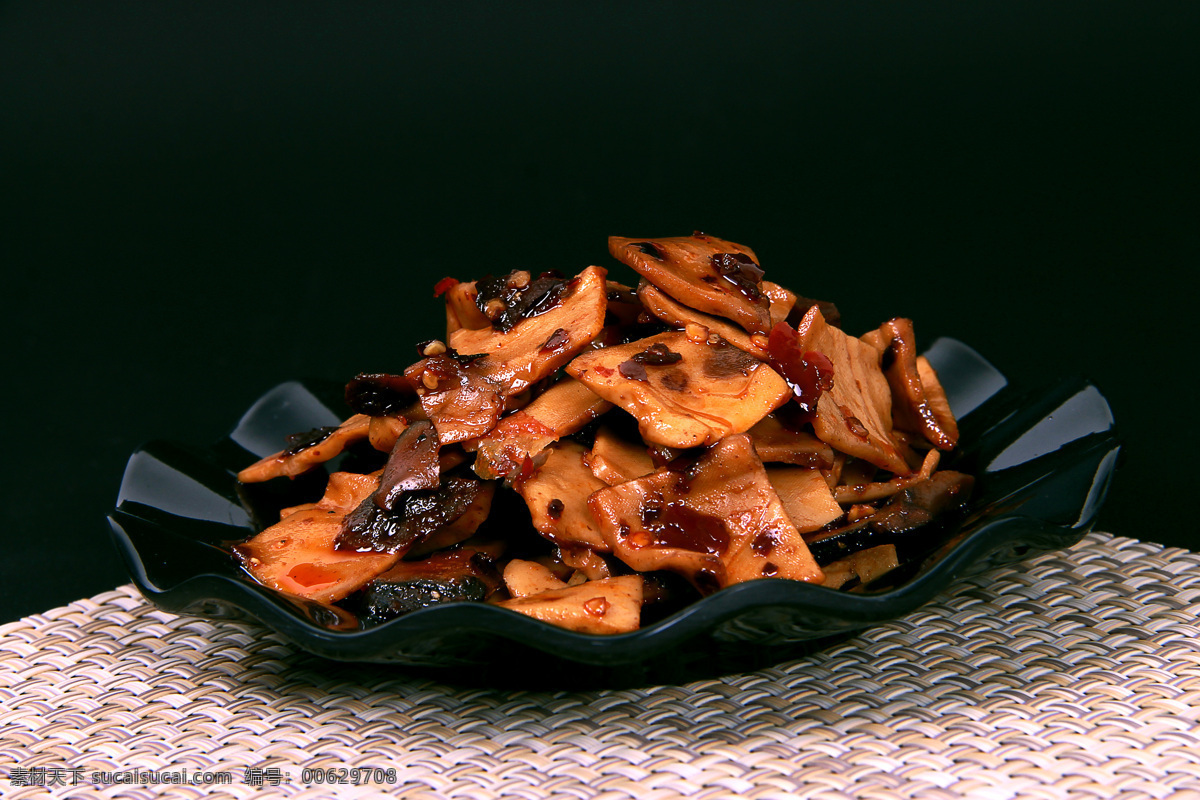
865	565
706	273
855	415
461	311
523	578
612	605
719	523
683	393
557	494
297	554
534	347
586	562
559	411
460	401
782	301
856	492
774	443
306	450
806	497
660	304
918	401
615	460
384	431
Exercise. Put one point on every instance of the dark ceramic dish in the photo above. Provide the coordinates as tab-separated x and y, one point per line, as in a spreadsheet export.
1043	460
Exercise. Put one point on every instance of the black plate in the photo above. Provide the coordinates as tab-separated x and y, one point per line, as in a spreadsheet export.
1043	459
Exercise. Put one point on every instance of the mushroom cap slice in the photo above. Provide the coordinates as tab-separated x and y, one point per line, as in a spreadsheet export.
457	398
719	523
611	605
706	273
557	494
855	415
297	554
712	390
537	346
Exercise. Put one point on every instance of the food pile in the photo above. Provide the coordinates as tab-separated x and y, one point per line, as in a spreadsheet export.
587	453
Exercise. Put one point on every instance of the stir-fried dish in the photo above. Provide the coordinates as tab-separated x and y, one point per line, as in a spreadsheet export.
594	455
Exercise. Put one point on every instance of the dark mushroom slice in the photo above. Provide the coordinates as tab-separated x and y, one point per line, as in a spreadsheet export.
458	575
413	464
706	273
298	554
918	401
855	414
718	523
608	606
683	393
413	518
307	450
562	409
462	528
660	304
614	459
557	494
379	394
536	346
776	443
805	496
624	306
460	401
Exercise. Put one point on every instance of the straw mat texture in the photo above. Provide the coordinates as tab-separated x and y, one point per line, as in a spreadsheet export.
1076	675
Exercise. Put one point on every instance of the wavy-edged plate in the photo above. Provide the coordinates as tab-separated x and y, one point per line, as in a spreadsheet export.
1043	459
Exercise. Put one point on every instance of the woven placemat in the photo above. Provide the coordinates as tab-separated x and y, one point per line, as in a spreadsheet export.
1075	675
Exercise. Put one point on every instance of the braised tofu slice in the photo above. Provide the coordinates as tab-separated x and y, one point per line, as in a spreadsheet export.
854	416
706	273
384	431
719	523
614	459
307	450
683	393
782	301
461	309
865	565
774	443
557	494
805	496
530	338
918	401
460	401
855	491
559	411
660	304
611	605
297	555
523	578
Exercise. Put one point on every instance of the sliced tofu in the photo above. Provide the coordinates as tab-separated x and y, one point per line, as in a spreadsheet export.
615	460
774	443
918	400
612	605
855	415
537	346
559	411
703	272
805	496
557	494
856	492
660	304
866	565
297	554
301	457
717	524
710	390
524	578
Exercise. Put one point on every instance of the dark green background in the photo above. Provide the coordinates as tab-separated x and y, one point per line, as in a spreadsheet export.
207	199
